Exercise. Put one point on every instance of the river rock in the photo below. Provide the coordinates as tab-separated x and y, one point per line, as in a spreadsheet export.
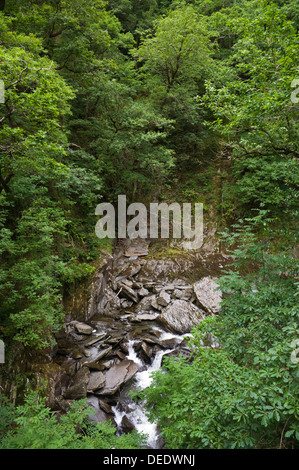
125	303
170	343
145	304
128	270
143	292
83	329
105	407
77	354
96	380
78	389
99	415
109	304
120	355
128	292
92	341
147	350
119	375
180	316
156	306
75	392
97	357
163	299
146	316
126	425
133	251
208	294
183	294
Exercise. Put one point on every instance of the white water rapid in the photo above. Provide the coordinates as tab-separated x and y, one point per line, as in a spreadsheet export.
135	413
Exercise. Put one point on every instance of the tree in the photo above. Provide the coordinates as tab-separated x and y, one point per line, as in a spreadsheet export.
255	116
175	60
32	151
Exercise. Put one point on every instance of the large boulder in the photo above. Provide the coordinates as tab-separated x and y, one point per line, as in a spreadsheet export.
109	304
208	294
118	375
96	381
78	388
163	299
180	316
83	329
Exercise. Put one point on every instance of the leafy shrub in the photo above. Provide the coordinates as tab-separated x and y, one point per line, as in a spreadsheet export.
36	427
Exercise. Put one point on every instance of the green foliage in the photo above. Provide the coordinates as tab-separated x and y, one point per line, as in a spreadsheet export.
179	50
175	59
135	16
255	115
31	154
36	427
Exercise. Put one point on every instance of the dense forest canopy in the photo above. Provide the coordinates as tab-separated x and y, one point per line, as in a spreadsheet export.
159	100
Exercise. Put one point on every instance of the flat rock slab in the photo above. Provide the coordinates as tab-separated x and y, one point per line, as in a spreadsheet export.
83	329
128	292
180	316
92	341
136	252
147	316
119	375
208	294
96	380
98	356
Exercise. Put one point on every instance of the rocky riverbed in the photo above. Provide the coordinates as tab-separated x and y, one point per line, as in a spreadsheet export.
140	310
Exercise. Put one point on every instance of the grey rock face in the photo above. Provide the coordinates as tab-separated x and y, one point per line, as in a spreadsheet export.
83	329
208	294
96	380
163	299
180	316
119	375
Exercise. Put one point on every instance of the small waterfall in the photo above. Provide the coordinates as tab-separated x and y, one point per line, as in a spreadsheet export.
136	414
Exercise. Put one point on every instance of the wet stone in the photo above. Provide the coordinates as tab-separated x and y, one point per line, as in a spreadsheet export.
147	350
126	425
105	407
83	329
119	375
100	415
96	381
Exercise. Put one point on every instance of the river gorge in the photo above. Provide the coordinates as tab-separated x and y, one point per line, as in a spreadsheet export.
138	309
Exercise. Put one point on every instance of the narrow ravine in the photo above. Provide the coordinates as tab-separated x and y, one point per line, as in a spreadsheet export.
141	310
